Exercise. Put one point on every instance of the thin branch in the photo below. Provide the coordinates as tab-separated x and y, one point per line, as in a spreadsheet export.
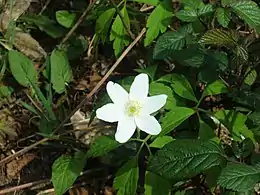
96	88
90	6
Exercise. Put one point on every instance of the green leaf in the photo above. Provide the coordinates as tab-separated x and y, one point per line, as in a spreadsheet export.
205	9
215	88
159	142
101	146
207	133
61	72
119	33
248	11
149	2
127	178
194	4
182	159
251	76
46	25
182	87
65	18
155	184
174	118
239	177
167	43
158	21
103	23
150	71
223	16
5	91
22	68
65	171
220	37
187	15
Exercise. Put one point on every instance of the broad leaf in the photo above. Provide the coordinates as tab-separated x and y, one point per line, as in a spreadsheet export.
194	4
205	9
22	68
127	178
158	21
215	88
65	171
159	142
154	184
65	18
182	159
167	43
118	32
206	132
101	146
60	70
247	10
182	87
239	177
223	16
220	37
103	23
187	15
174	118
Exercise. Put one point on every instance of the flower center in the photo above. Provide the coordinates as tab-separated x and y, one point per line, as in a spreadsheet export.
133	108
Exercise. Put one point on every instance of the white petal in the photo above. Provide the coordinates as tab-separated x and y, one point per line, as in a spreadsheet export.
125	129
117	93
148	124
139	88
109	113
154	103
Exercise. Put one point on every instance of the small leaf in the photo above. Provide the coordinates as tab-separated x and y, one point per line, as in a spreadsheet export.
248	11
158	21
149	2
22	68
155	184
182	87
174	118
195	4
223	16
215	88
5	91
118	32
182	159
101	146
167	43
65	171
127	178
239	177
251	76
103	23
65	18
205	9
159	142
60	70
150	71
187	15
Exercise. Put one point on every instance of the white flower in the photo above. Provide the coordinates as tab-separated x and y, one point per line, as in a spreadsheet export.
132	110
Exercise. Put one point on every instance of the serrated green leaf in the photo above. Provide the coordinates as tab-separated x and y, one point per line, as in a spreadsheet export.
101	146
156	185
60	70
159	142
217	87
118	32
150	71
194	4
220	37
187	15
182	159
22	68
46	25
174	118
206	132
103	23
158	21
149	2
65	171
205	9
239	177
167	43
248	11
65	18
127	178
223	16
182	87
251	76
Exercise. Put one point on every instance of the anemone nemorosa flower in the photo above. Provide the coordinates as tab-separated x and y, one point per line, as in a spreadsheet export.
132	109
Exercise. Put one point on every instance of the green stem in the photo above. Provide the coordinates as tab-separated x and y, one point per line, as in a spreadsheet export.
144	143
